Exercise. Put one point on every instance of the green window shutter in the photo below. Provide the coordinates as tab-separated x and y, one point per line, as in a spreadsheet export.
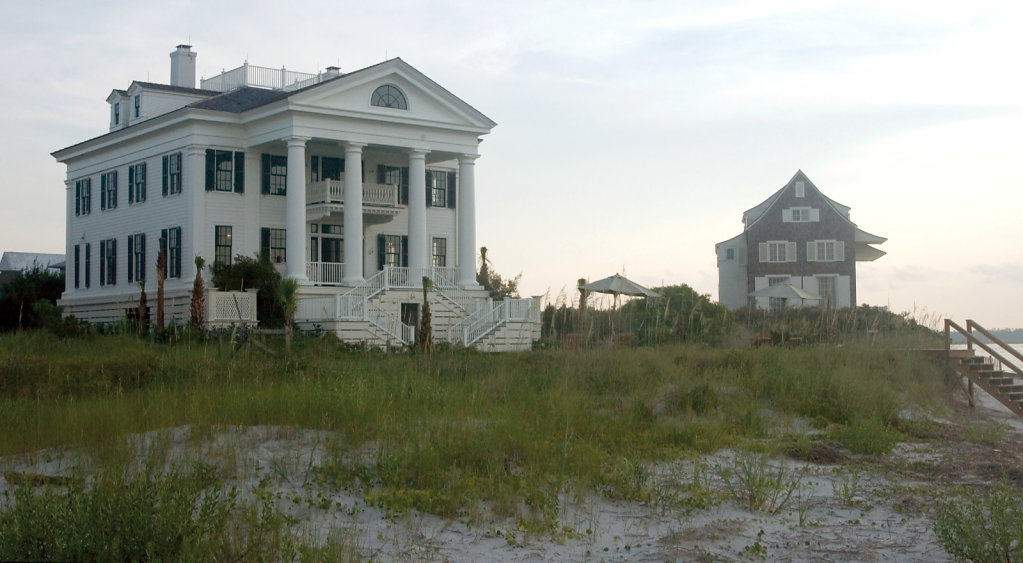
314	168
381	252
266	174
88	262
142	240
131	258
103	263
177	251
239	172
113	190
78	198
451	190
102	192
113	261
381	173
131	184
264	243
77	262
429	188
211	169
143	182
404	251
166	172
163	247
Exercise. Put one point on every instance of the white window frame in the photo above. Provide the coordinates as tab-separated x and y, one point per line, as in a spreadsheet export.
777	251
825	251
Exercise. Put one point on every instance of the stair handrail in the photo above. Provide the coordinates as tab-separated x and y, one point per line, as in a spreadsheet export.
971	340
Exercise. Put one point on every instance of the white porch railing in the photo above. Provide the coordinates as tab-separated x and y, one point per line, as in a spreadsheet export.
470	330
226	308
333	191
324	273
263	77
412	278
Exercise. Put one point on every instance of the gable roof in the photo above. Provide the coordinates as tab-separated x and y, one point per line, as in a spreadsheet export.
754	214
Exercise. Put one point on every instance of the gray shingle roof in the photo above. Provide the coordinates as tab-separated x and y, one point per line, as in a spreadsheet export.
240	99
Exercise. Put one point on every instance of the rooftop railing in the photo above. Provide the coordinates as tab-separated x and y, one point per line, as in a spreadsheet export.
264	77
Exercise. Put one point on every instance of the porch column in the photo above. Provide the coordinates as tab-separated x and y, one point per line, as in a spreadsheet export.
417	244
467	221
295	242
194	192
352	269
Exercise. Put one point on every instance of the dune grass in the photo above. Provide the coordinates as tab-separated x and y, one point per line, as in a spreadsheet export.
451	431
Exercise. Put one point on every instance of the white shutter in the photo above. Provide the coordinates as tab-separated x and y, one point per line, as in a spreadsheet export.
790	252
840	251
811	251
763	252
786	215
815	214
742	255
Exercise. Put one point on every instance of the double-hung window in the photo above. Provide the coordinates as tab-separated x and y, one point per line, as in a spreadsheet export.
172	174
440	252
137	183
395	176
392	250
137	258
800	215
438	184
108	190
225	171
777	251
222	245
138	104
273	245
170	244
83	196
825	251
108	262
117	113
275	174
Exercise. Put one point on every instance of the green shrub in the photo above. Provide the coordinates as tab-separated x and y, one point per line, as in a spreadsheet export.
982	527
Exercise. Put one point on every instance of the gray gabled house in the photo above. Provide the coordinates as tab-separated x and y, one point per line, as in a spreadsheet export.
797	236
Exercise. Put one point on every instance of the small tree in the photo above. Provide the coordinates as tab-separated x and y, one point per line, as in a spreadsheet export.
425	336
143	305
491	281
198	306
286	290
161	273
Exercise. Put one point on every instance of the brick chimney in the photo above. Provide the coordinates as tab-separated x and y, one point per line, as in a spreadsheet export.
183	67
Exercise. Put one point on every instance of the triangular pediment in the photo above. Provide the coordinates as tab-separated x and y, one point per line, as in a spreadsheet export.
427	101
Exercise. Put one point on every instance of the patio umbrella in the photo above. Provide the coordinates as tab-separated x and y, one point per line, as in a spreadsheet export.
619	285
787	291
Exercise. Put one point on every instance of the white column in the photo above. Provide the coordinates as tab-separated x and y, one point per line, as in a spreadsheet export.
69	238
250	239
353	214
417	243
194	189
466	204
296	230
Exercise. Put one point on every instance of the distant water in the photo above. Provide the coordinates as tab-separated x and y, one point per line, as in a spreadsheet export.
980	351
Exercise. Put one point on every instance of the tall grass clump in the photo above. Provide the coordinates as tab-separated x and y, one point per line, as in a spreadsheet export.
181	514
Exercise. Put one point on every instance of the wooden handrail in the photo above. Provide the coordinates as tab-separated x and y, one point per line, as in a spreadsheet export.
971	340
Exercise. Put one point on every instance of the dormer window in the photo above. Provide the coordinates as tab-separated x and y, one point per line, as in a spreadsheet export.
117	113
138	103
388	96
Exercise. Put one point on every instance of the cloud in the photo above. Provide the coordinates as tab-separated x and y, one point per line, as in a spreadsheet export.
1000	273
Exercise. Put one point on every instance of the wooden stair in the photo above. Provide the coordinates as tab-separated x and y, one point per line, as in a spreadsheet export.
985	372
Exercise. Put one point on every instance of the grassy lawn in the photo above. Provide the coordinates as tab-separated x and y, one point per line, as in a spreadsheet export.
454	430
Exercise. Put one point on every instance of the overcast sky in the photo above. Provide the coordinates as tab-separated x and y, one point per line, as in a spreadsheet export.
631	135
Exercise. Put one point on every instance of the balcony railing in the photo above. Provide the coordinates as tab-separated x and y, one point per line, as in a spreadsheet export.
263	77
333	191
324	273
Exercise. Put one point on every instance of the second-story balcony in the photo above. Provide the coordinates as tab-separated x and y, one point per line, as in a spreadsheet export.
328	196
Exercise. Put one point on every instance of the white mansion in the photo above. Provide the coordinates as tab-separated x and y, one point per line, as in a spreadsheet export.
356	184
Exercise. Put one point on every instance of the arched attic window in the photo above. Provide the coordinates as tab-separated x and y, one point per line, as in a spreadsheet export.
389	96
